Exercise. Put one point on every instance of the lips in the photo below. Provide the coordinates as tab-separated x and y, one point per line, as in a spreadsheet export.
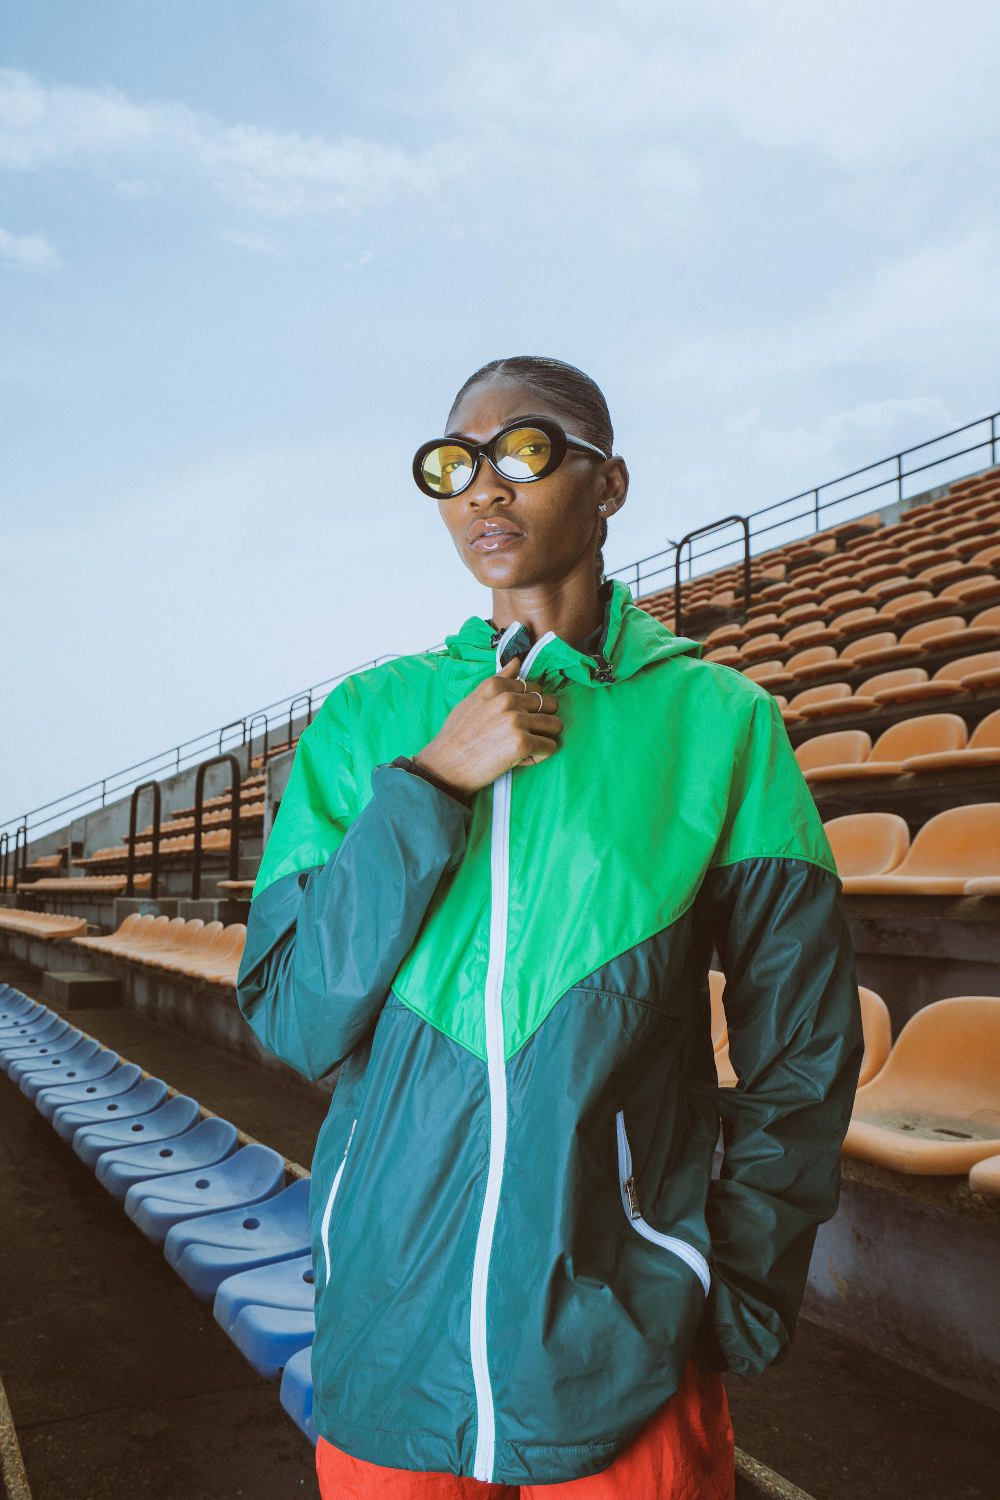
492	530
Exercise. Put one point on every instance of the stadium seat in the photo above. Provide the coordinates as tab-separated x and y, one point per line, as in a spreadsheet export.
202	1146
935	1106
297	1393
204	1251
867	844
80	1067
720	1032
201	946
253	1173
889	756
955	846
877	1027
221	965
769	674
910	644
826	757
984	1177
918	604
180	935
982	587
808	702
160	1124
868	695
54	1046
982	632
962	674
119	1095
268	1313
857	620
982	749
39	924
36	1029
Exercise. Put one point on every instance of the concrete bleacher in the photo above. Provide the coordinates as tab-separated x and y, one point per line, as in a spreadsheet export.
881	640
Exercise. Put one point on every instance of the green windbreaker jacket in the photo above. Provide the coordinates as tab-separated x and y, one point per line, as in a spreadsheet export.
517	1237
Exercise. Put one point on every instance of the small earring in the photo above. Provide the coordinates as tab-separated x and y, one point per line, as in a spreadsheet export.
602	507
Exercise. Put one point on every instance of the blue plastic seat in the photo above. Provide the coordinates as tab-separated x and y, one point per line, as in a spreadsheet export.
76	1095
31	1036
122	1167
296	1394
161	1124
254	1173
104	1109
70	1049
97	1066
205	1251
268	1312
24	1015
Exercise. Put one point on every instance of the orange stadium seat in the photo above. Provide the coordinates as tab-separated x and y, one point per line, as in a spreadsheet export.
201	947
963	674
801	704
877	1027
911	643
935	1106
955	846
869	694
984	1177
867	844
983	748
831	757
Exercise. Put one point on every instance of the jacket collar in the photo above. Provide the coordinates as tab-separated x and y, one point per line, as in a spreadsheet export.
629	639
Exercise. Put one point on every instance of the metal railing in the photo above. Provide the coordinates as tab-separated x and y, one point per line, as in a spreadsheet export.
686	541
812	505
154	857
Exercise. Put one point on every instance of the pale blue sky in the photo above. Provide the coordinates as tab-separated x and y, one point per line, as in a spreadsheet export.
248	251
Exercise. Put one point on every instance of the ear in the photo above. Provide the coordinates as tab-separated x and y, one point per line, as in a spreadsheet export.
612	487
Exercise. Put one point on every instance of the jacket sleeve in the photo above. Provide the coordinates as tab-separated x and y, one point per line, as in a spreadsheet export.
339	898
772	903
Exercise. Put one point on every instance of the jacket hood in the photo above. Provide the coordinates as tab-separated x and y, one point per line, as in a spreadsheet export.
632	639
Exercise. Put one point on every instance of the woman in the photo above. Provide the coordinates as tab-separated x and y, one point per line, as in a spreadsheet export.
491	895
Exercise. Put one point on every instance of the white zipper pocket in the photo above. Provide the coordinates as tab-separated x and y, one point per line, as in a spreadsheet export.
328	1210
630	1202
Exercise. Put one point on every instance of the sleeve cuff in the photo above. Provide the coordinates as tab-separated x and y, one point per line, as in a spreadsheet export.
405	764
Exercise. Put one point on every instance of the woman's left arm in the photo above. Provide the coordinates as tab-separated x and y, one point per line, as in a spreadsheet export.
772	904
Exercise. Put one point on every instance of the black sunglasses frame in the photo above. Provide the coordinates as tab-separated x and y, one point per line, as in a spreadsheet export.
559	439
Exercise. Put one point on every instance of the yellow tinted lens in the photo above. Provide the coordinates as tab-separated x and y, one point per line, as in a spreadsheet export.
523	453
447	468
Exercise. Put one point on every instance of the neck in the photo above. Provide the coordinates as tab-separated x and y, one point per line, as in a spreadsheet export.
571	608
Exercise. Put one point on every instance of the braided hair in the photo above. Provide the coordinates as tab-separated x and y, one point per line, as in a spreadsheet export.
568	389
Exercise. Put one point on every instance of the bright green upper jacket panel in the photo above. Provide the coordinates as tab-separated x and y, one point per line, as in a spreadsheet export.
677	766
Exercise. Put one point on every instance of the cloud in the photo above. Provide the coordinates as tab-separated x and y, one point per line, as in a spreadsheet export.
28	252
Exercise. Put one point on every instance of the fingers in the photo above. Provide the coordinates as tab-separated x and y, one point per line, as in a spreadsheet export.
548	724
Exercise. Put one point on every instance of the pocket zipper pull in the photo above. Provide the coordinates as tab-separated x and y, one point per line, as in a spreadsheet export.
633	1199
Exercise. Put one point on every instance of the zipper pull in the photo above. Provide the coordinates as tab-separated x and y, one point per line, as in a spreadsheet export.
603	671
633	1198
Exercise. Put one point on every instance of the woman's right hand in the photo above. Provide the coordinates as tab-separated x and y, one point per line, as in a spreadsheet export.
494	728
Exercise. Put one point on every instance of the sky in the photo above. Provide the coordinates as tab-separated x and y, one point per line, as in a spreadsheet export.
249	252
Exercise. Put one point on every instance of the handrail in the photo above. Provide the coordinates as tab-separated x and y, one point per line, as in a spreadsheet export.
307	699
688	539
260	715
235	780
818	503
4	855
23	848
154	877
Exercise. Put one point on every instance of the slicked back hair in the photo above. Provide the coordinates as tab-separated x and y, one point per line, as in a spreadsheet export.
563	386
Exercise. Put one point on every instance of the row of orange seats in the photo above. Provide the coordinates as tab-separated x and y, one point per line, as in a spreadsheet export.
929	742
964	674
955	853
208	951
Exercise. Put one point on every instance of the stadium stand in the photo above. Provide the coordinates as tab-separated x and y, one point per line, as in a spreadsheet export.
880	638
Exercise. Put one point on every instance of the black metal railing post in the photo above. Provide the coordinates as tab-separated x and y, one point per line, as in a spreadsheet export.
249	740
22	846
4	856
235	781
686	541
154	863
307	699
233	724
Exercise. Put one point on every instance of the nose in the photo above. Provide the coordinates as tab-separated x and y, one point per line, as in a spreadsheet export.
488	486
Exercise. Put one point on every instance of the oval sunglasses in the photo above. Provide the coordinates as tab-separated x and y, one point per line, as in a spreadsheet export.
524	450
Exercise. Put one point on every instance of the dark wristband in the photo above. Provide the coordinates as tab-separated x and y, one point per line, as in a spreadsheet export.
405	764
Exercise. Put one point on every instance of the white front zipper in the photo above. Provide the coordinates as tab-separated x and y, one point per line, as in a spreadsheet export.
328	1210
630	1203
496	1076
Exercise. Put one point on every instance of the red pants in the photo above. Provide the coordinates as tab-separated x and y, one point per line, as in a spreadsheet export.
684	1452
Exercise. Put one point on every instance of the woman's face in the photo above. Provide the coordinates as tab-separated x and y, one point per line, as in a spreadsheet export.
512	535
